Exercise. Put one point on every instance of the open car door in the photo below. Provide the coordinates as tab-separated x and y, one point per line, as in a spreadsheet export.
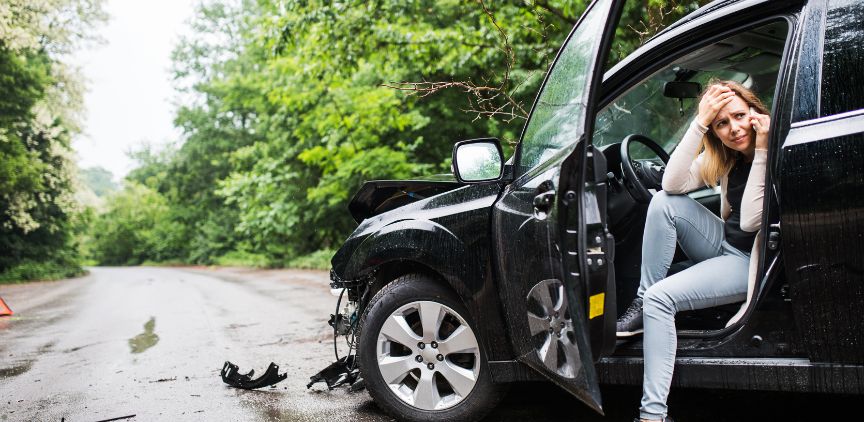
549	224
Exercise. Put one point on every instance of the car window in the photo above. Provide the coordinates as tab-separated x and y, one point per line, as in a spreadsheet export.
751	57
843	58
644	110
558	117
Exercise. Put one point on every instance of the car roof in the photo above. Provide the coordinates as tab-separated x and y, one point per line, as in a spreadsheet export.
710	8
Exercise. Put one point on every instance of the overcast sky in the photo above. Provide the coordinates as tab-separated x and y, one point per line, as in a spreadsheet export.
129	98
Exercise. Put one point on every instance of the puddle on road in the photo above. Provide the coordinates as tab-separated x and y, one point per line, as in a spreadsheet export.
145	340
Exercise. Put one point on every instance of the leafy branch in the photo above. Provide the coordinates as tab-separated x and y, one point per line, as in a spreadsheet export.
485	99
657	19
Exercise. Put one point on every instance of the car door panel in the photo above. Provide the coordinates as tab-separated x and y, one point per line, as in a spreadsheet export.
547	311
822	221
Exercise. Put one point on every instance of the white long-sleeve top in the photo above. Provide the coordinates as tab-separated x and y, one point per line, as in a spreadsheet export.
682	175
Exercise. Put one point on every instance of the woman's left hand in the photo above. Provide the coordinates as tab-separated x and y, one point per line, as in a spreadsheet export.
760	123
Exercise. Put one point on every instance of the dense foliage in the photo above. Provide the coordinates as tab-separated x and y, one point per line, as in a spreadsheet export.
289	106
99	180
39	105
136	227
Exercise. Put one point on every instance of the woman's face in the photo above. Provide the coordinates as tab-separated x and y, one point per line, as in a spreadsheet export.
732	126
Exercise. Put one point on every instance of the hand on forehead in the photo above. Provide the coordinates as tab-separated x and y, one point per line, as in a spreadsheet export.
735	105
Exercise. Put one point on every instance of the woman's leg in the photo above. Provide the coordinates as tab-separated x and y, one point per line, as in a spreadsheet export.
713	282
671	219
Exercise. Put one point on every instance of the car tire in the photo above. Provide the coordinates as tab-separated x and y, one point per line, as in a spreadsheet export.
448	380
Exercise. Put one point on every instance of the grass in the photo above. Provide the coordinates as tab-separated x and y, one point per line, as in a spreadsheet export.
318	260
167	263
242	259
40	271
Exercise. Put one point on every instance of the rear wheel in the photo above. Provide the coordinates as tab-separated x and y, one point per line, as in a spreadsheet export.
420	356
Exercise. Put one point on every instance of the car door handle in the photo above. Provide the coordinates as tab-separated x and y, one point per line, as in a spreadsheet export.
543	201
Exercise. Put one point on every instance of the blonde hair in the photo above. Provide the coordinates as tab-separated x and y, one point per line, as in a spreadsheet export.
719	159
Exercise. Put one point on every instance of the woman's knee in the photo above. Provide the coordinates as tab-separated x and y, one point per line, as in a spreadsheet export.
661	205
667	204
656	301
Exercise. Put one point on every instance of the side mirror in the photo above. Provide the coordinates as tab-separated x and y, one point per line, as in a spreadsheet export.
478	160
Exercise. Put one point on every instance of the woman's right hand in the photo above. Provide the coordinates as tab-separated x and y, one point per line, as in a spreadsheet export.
712	102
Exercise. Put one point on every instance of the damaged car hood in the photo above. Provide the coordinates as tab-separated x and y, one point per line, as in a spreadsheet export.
379	196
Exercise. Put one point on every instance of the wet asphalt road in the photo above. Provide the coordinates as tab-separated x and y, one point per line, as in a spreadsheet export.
150	342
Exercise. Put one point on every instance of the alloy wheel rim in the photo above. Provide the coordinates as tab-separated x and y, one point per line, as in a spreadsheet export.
428	355
552	328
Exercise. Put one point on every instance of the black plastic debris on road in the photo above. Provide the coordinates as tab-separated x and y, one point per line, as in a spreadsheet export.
231	375
337	373
119	418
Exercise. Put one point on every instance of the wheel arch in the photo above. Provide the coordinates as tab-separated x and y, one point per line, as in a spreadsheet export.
389	271
426	247
415	246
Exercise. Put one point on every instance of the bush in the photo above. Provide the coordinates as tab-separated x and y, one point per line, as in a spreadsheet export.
318	260
243	259
137	227
49	270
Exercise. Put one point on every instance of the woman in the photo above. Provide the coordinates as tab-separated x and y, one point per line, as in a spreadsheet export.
731	130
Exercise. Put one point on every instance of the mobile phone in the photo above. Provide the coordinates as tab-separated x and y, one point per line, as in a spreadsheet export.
752	126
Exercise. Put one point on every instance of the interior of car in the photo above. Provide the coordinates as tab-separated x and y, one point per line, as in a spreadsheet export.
648	120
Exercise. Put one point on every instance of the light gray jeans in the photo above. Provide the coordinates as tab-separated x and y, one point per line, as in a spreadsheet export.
719	277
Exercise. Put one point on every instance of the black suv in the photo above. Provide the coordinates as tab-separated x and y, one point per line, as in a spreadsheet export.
515	271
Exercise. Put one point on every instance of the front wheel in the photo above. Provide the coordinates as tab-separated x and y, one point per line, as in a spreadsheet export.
420	356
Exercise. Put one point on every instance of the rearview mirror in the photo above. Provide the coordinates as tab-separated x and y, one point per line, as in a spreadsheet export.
673	89
681	90
478	160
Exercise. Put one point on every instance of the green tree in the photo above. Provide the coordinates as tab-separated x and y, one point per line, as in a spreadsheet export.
289	106
39	108
99	180
136	227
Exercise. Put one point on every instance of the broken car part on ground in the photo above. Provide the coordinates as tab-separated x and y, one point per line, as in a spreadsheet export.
231	375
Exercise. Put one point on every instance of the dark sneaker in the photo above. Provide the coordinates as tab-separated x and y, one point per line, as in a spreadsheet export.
630	323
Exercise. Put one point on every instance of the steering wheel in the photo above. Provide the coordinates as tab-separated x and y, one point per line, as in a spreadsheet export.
639	177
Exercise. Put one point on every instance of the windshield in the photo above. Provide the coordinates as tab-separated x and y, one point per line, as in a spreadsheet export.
558	118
